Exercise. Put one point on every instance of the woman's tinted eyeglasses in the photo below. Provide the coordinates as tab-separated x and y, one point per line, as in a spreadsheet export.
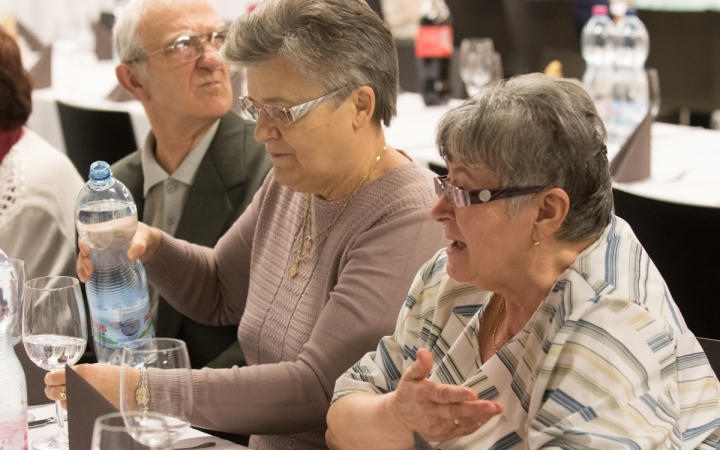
285	115
190	47
462	198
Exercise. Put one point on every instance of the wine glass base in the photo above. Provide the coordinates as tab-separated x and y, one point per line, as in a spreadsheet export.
51	443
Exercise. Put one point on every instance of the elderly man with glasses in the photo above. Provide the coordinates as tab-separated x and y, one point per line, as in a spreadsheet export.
200	165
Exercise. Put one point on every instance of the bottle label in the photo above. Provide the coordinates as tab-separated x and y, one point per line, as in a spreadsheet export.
434	41
114	327
13	431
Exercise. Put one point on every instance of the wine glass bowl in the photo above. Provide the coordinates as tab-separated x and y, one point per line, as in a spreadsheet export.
165	366
54	334
131	431
476	63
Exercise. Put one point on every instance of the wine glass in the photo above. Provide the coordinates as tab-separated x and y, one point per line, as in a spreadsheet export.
165	366
54	334
132	430
476	63
22	276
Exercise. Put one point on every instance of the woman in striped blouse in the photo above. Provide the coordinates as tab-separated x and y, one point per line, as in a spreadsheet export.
544	324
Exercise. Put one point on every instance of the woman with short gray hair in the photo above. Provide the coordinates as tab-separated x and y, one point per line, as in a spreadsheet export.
544	324
315	270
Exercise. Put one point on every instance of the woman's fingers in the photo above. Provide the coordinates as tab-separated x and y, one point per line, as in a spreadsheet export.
84	264
55	378
447	393
421	368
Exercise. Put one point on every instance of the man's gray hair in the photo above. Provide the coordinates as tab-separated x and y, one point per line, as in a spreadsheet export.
534	130
335	44
125	31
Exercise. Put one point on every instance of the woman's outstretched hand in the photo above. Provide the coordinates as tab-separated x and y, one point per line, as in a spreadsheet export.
143	247
438	412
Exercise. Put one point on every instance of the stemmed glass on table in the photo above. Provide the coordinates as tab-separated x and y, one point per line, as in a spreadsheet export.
120	431
54	333
476	63
171	396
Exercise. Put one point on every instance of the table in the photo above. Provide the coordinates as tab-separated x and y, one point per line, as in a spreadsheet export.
191	437
684	167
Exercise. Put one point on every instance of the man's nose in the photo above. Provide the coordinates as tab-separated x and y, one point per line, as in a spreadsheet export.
209	57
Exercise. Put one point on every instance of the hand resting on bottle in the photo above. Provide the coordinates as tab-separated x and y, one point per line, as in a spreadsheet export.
143	246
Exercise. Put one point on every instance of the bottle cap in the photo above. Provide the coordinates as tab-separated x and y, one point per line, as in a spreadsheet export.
100	172
600	10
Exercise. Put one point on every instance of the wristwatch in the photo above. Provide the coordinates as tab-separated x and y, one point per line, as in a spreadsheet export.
142	393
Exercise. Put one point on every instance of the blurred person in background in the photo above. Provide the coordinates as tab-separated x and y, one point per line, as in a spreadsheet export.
200	164
38	184
317	267
402	17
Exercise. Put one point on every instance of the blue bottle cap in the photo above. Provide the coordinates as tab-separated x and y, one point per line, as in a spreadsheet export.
100	172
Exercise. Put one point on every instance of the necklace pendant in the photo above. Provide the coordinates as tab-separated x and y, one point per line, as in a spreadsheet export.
293	271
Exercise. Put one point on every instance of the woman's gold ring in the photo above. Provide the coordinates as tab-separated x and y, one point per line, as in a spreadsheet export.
456	422
62	393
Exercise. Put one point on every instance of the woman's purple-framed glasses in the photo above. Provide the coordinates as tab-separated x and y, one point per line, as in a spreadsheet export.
462	197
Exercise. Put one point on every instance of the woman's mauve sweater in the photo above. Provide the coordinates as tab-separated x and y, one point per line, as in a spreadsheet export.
298	334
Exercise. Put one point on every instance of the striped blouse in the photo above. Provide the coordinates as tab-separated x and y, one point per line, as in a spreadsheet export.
605	362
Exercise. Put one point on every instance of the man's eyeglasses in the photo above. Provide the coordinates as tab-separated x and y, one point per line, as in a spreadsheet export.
190	47
462	198
285	115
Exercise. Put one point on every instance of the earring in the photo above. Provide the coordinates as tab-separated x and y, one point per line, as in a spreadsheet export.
536	243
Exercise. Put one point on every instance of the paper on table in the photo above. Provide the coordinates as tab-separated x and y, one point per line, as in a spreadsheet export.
34	377
85	404
103	41
632	162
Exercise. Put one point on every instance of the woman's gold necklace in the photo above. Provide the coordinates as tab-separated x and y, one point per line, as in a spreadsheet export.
307	240
497	322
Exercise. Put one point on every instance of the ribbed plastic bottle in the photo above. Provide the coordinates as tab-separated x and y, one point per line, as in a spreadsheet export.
106	219
13	388
597	49
630	83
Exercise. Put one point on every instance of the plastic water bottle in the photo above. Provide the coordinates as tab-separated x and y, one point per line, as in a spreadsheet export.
13	388
597	49
106	219
630	83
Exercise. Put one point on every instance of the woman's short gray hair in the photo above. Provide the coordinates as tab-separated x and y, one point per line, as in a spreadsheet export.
335	44
534	130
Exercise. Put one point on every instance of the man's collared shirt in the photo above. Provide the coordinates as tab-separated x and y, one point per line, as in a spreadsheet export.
165	194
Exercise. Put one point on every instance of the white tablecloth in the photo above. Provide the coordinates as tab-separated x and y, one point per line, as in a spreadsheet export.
685	163
191	437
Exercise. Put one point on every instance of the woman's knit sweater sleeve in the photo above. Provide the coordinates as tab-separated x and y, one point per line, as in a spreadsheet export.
195	279
290	397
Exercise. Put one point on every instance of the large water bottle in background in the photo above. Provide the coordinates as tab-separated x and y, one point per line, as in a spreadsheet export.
106	219
13	388
597	49
630	83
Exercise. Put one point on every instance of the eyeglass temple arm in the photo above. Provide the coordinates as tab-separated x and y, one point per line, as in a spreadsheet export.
514	192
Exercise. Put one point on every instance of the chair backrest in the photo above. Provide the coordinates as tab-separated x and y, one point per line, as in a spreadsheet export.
682	241
542	27
91	135
712	350
685	49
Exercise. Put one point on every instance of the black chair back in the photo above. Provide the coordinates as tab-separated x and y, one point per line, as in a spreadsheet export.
685	49
682	241
712	350
91	135
375	6
544	30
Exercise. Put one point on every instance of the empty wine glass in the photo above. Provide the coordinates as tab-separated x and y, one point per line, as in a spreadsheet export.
476	63
155	376
54	334
131	431
22	276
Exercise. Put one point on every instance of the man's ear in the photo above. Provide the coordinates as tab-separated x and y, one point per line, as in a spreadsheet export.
553	206
364	101
130	79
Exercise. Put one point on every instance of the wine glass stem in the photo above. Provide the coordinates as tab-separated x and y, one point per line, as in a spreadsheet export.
60	419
